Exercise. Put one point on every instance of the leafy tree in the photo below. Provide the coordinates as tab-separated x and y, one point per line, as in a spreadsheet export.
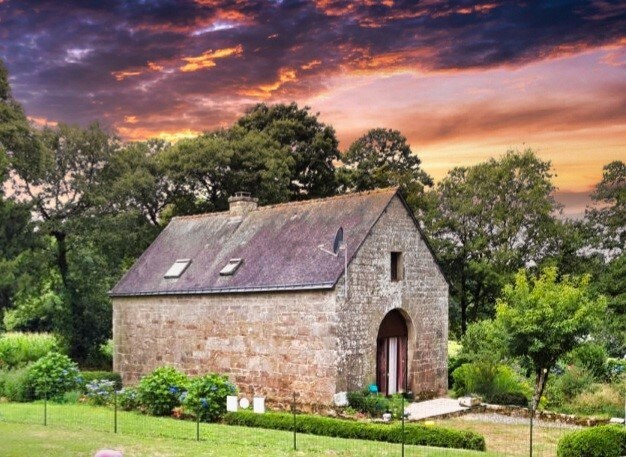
136	180
487	221
383	158
208	169
611	282
64	188
16	229
311	144
16	136
545	318
608	214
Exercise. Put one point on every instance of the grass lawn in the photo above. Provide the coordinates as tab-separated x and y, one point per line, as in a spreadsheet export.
510	439
80	430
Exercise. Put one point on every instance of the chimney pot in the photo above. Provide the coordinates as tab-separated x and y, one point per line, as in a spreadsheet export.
241	204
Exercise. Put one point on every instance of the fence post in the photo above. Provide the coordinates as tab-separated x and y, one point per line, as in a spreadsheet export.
114	410
293	409
403	435
198	423
532	416
45	407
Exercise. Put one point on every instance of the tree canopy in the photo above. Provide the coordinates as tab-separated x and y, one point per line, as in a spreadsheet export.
383	158
544	318
608	214
487	221
311	144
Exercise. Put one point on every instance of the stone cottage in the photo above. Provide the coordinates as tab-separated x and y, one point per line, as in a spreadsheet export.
314	297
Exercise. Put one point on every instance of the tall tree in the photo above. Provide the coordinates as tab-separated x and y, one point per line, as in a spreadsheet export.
545	318
65	187
135	179
208	169
312	145
487	221
16	229
383	158
608	214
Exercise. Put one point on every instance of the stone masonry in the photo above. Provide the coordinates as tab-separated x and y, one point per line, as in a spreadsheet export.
312	342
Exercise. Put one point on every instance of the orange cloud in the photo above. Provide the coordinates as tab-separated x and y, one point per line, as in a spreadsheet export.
155	67
131	119
207	59
285	75
311	64
123	74
41	121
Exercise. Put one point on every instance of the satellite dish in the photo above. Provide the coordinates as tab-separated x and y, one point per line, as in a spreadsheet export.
244	403
338	240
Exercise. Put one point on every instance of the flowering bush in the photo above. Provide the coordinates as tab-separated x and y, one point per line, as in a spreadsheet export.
100	392
160	391
128	399
53	375
207	396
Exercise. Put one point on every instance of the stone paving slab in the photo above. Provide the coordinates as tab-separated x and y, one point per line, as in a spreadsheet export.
433	408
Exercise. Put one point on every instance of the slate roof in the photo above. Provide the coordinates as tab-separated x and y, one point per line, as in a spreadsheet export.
279	246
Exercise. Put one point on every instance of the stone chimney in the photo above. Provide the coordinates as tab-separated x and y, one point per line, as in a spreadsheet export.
241	204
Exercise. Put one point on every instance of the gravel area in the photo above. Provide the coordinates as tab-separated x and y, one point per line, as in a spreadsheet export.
512	420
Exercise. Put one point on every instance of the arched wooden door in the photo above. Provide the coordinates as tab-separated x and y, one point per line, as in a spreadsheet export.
391	354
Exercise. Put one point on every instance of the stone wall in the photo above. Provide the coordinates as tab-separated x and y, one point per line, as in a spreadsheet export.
314	343
270	344
422	296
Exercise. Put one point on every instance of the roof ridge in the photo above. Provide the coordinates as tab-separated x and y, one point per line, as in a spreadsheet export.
326	199
297	202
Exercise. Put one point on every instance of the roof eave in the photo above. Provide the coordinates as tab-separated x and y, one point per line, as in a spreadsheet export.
226	290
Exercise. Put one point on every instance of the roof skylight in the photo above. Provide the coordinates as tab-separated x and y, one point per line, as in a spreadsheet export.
231	267
178	268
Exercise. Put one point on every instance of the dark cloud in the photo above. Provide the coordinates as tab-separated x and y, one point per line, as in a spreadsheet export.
82	60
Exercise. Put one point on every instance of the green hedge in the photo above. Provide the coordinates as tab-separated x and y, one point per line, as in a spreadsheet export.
340	428
603	441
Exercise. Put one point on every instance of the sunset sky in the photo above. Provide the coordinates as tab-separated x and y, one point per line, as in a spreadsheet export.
463	81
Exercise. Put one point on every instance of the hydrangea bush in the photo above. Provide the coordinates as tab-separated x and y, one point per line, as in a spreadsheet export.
100	392
53	375
206	396
159	392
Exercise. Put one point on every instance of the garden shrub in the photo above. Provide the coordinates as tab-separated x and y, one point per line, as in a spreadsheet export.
603	441
372	404
494	383
89	376
340	428
159	392
207	395
562	389
15	386
128	399
18	349
100	392
53	375
600	399
592	357
615	368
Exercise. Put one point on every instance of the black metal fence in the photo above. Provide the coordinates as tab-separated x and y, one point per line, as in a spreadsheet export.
505	435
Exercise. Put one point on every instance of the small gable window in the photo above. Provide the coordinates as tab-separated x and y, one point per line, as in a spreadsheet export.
231	267
178	268
397	270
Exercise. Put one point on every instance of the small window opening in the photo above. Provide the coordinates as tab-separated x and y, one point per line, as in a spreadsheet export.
231	267
397	271
178	268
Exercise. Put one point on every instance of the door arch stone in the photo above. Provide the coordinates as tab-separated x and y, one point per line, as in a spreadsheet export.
392	353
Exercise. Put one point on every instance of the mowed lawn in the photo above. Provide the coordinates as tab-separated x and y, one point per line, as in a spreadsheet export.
511	439
80	430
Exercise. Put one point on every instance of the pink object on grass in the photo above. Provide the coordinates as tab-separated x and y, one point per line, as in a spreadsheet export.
108	453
